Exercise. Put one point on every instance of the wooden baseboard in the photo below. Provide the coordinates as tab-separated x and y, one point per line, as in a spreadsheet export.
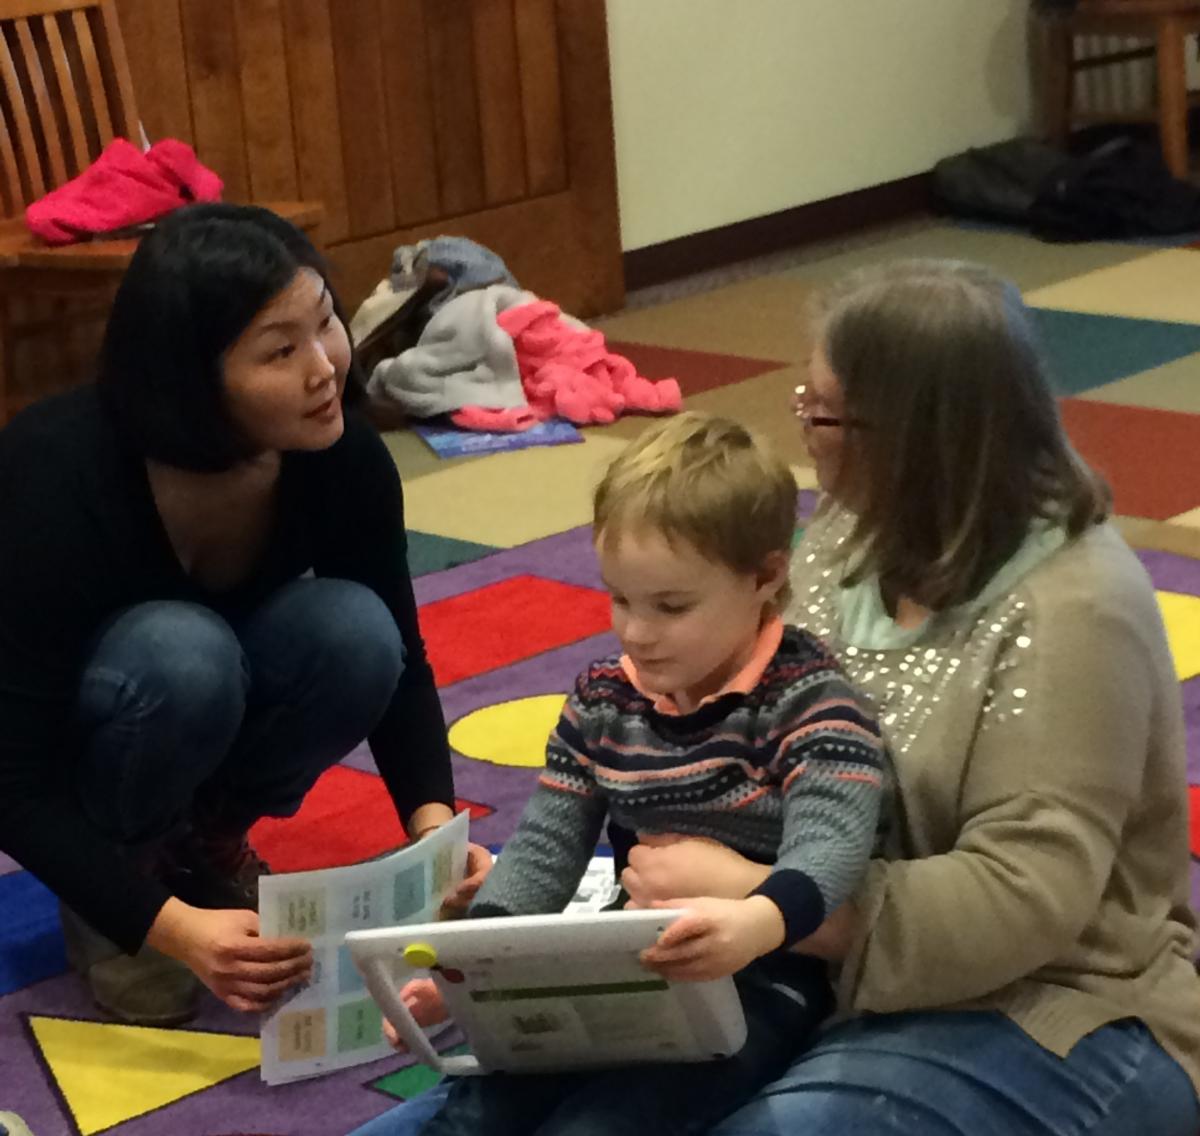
805	224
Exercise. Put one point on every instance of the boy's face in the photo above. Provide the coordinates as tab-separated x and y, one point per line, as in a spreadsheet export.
688	624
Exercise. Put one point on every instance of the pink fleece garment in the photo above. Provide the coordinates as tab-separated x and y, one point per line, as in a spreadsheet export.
495	420
123	187
569	372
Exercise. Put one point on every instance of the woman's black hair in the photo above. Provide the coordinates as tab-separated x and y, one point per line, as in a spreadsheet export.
194	285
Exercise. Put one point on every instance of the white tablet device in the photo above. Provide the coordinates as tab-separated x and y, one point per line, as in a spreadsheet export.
546	993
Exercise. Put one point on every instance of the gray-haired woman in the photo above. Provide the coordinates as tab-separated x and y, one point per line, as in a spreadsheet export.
1018	962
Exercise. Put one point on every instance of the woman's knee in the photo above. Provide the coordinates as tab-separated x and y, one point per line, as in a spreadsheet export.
161	701
360	635
169	665
971	1074
335	634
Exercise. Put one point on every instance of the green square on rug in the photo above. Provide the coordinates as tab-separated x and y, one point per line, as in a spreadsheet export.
428	552
413	1080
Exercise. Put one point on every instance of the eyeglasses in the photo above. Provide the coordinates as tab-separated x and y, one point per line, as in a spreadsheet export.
805	415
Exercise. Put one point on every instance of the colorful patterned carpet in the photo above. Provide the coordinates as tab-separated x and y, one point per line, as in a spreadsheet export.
512	610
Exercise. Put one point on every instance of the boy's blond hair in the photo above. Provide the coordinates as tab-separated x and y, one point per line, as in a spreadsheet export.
707	481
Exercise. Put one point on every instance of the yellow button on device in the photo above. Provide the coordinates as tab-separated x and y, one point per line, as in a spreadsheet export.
420	955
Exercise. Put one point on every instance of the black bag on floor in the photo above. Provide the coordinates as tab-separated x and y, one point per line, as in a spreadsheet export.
1120	189
998	183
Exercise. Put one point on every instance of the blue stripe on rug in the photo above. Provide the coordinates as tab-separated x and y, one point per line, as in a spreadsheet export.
1086	351
31	942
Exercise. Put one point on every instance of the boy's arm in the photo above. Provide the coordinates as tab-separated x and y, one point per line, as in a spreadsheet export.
539	869
831	762
832	766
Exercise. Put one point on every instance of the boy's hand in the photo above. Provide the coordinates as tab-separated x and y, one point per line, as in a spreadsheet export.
479	863
424	1002
427	819
714	937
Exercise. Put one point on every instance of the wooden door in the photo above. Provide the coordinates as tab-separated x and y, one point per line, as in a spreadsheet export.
406	118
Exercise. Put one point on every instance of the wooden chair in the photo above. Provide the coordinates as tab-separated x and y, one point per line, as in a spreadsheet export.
1166	24
65	93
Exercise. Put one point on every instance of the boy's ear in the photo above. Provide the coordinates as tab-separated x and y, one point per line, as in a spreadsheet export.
774	572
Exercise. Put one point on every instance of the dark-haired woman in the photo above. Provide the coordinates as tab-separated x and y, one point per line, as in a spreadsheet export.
204	603
1018	962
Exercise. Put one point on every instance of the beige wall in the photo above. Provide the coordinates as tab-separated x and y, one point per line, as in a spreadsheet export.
729	109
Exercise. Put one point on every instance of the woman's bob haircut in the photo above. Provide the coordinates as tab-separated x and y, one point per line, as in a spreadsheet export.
194	285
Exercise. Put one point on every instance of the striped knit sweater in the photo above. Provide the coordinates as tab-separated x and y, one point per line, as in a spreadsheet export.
791	772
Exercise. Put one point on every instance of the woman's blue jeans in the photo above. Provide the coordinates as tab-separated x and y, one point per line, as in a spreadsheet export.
946	1074
175	703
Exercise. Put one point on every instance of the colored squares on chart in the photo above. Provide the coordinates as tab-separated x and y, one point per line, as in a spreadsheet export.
350	980
440	869
303	913
318	972
302	1035
408	893
359	1026
362	907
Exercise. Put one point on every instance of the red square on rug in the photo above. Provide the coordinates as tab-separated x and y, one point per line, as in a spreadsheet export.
696	370
507	622
1194	820
347	816
1150	457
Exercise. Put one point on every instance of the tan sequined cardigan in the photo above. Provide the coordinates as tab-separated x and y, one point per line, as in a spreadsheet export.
1038	861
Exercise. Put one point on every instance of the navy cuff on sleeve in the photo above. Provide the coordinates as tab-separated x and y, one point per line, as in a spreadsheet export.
799	901
487	911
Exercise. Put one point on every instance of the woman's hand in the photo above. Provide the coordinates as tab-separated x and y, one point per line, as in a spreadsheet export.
664	866
424	1002
833	939
428	819
225	951
661	867
714	937
479	863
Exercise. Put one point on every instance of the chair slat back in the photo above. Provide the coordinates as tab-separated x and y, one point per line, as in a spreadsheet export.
65	93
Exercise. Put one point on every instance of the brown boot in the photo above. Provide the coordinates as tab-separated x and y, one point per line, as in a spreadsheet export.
215	869
146	989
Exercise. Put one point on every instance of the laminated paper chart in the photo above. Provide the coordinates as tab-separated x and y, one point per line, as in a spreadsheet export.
332	1023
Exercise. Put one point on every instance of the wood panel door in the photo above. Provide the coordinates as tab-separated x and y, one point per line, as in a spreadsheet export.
406	119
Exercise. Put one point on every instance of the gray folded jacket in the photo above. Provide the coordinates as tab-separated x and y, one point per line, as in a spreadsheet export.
463	358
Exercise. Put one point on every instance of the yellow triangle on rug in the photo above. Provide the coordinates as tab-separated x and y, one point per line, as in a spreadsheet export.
108	1073
1181	614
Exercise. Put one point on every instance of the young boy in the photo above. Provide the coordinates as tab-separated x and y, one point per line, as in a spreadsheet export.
718	721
